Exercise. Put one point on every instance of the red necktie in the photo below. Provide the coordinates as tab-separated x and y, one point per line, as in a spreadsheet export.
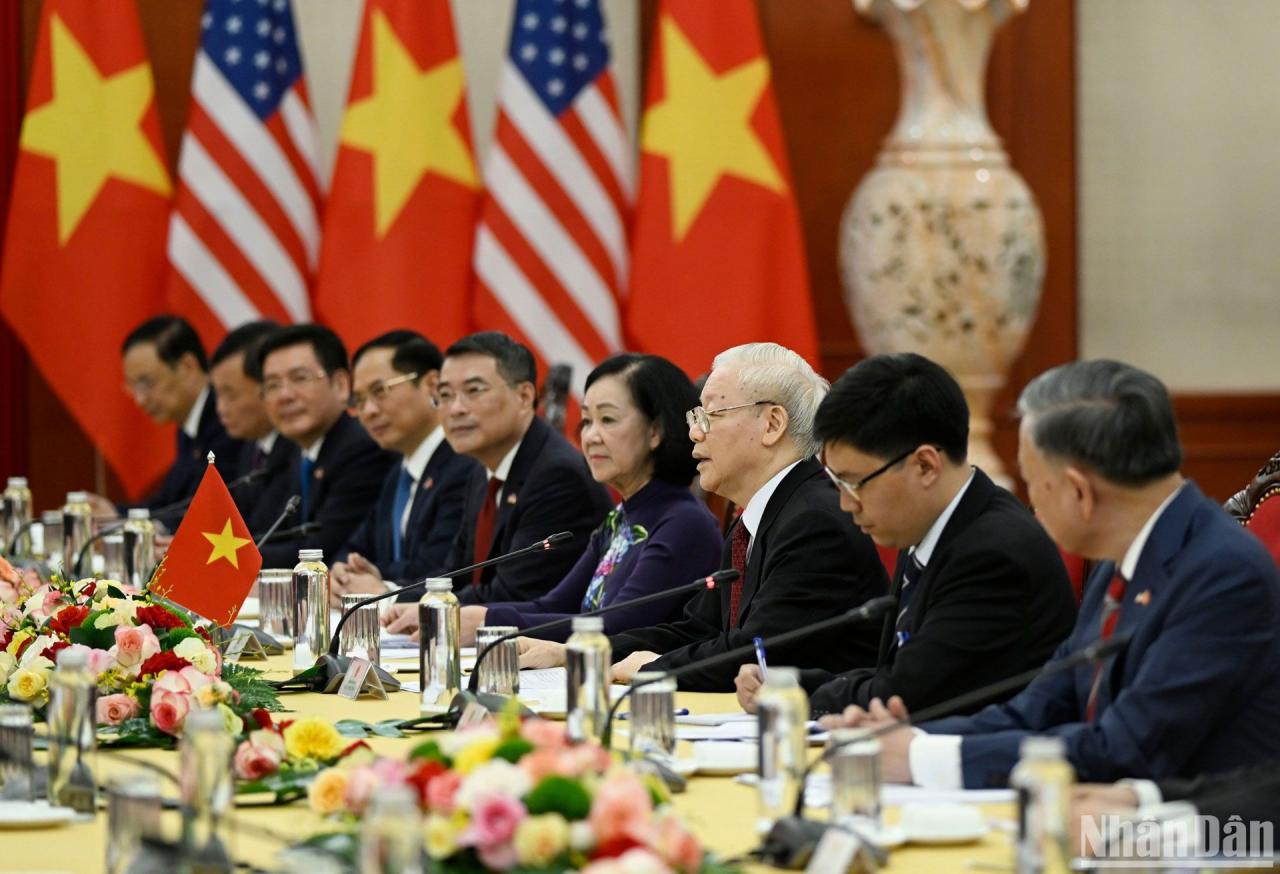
1110	616
484	526
738	556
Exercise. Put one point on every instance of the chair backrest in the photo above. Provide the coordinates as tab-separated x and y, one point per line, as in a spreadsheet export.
1257	506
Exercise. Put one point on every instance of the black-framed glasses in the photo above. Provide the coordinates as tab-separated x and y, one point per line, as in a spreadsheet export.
852	489
378	391
701	416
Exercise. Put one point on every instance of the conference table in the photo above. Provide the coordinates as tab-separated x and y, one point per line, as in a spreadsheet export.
720	811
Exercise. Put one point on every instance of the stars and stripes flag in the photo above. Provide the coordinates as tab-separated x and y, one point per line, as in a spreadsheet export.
551	246
244	233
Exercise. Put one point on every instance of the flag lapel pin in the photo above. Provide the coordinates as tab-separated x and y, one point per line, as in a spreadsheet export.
1143	597
428	483
511	500
318	473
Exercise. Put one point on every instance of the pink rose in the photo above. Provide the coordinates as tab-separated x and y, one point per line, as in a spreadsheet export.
170	682
541	763
501	857
253	762
390	771
134	645
441	790
169	711
43	602
587	758
543	734
100	661
677	845
621	808
195	680
494	817
272	740
115	709
360	785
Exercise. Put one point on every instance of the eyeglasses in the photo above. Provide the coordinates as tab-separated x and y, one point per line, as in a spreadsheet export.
295	379
852	489
701	416
377	391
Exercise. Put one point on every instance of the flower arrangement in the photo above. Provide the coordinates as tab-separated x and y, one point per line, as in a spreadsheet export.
152	665
282	758
519	797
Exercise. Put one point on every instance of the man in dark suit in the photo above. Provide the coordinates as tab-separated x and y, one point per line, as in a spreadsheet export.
982	592
800	556
237	381
338	469
411	528
1197	596
167	373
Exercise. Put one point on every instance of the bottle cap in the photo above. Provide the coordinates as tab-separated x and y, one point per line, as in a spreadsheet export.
139	513
77	497
1043	748
588	623
310	555
18	482
439	584
73	658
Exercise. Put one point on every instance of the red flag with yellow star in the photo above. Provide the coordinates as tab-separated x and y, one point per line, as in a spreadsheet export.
212	562
402	209
717	254
84	251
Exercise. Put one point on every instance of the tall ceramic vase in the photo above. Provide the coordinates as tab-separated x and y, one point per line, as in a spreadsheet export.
942	248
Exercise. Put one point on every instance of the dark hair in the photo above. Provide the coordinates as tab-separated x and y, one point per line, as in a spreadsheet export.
244	340
887	405
329	350
1110	416
413	353
514	360
664	394
172	336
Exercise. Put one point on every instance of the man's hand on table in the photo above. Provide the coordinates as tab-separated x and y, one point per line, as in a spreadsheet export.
895	764
748	683
401	619
624	670
472	618
355	576
536	653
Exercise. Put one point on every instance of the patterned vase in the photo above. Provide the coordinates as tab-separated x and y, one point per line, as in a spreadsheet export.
942	248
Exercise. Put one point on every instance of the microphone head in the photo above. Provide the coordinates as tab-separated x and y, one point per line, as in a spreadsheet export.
292	505
555	539
1104	648
876	607
723	577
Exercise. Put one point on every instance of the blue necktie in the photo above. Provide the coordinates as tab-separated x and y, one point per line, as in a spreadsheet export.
404	488
304	488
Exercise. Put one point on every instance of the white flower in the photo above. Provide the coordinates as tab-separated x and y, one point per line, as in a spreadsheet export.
495	776
7	664
120	611
581	836
193	649
32	653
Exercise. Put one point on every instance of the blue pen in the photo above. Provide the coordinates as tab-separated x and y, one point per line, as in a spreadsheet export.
764	666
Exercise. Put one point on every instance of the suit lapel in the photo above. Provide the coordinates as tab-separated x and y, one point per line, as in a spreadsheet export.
526	457
423	495
330	450
890	621
803	470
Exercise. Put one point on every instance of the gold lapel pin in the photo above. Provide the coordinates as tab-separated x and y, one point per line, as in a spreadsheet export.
1143	597
511	500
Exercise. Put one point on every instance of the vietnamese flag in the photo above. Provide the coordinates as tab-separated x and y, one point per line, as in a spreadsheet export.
212	562
717	256
402	208
84	253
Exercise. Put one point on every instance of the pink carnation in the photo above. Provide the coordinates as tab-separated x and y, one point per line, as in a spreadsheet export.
621	808
115	709
254	761
441	790
134	645
494	817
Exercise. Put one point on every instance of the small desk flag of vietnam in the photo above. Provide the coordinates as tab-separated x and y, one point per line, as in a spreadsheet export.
212	562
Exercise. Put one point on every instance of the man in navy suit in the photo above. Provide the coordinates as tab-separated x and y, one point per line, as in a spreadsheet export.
338	470
1196	691
166	371
411	528
237	380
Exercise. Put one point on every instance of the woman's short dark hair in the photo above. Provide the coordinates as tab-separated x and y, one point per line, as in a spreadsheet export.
664	394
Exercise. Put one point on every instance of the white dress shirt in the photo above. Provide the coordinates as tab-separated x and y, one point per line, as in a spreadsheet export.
191	425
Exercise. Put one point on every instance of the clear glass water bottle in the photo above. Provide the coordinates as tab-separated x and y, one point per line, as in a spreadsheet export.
311	619
46	537
17	513
587	659
77	528
139	547
72	733
440	645
783	711
653	715
1043	779
391	837
204	777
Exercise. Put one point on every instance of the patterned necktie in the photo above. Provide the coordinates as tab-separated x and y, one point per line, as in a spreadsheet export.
404	488
304	487
485	520
910	576
1110	616
738	556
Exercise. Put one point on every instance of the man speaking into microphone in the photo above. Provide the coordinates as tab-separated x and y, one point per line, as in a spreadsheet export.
1196	596
981	590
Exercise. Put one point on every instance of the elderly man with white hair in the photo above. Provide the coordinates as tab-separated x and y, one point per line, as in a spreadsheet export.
802	559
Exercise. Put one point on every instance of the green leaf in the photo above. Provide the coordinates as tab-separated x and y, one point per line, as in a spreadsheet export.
513	750
98	638
136	732
352	728
559	795
175	636
429	751
386	728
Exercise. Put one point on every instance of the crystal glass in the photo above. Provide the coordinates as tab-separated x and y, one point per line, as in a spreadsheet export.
500	672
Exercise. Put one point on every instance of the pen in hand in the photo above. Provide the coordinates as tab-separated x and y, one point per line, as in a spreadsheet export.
760	660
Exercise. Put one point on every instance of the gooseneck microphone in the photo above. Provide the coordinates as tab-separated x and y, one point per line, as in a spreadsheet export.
719	578
296	531
870	610
326	674
290	507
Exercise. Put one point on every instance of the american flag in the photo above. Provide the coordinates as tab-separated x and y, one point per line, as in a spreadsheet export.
551	247
245	227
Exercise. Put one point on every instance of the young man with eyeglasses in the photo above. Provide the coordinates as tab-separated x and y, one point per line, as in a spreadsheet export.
337	469
409	531
800	557
981	588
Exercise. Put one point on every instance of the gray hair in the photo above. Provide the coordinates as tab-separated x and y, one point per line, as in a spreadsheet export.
768	371
1110	416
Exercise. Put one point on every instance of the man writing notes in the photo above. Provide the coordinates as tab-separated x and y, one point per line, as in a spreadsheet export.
409	531
338	470
1198	597
800	556
981	589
